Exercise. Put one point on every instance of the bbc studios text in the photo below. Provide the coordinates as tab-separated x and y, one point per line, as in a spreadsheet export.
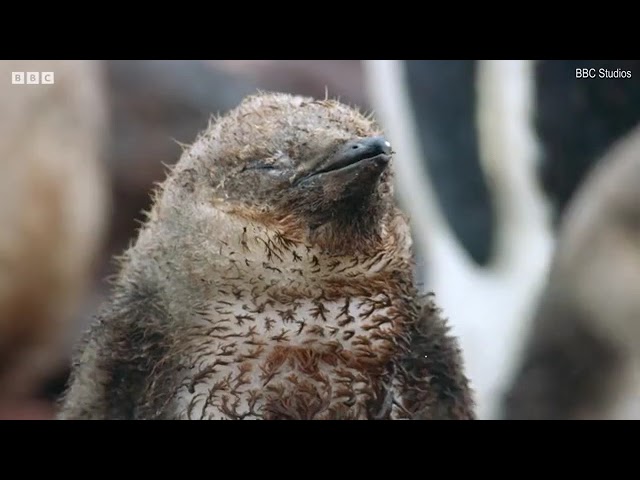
602	73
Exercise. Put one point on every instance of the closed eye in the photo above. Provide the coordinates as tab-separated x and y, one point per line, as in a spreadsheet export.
277	162
259	165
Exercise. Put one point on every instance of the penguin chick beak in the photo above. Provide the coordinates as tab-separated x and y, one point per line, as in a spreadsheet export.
362	159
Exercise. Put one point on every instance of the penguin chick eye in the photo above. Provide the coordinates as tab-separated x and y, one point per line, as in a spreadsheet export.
259	165
279	162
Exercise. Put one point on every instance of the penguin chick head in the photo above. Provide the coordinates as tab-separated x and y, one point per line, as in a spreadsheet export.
319	168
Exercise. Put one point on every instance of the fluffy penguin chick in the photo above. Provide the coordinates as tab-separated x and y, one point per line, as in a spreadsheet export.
272	280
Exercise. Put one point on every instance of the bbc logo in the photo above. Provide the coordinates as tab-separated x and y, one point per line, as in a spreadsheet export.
32	78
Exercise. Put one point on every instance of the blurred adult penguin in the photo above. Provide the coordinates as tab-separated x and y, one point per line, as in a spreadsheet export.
582	357
53	210
498	149
471	151
578	119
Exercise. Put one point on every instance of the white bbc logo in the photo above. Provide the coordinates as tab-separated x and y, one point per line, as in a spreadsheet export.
32	78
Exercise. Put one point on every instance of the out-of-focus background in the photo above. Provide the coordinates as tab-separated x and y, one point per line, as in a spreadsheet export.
521	178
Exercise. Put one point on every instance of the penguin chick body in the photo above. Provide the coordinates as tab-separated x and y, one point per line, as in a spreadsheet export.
273	280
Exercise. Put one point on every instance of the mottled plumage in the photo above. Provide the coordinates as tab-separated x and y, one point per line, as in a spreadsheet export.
273	279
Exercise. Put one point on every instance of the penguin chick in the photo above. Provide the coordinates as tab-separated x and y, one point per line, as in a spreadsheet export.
273	279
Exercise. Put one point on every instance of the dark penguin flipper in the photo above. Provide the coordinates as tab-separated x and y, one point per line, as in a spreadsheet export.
443	97
113	365
434	384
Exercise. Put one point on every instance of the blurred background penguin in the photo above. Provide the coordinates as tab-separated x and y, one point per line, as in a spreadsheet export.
53	211
490	155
